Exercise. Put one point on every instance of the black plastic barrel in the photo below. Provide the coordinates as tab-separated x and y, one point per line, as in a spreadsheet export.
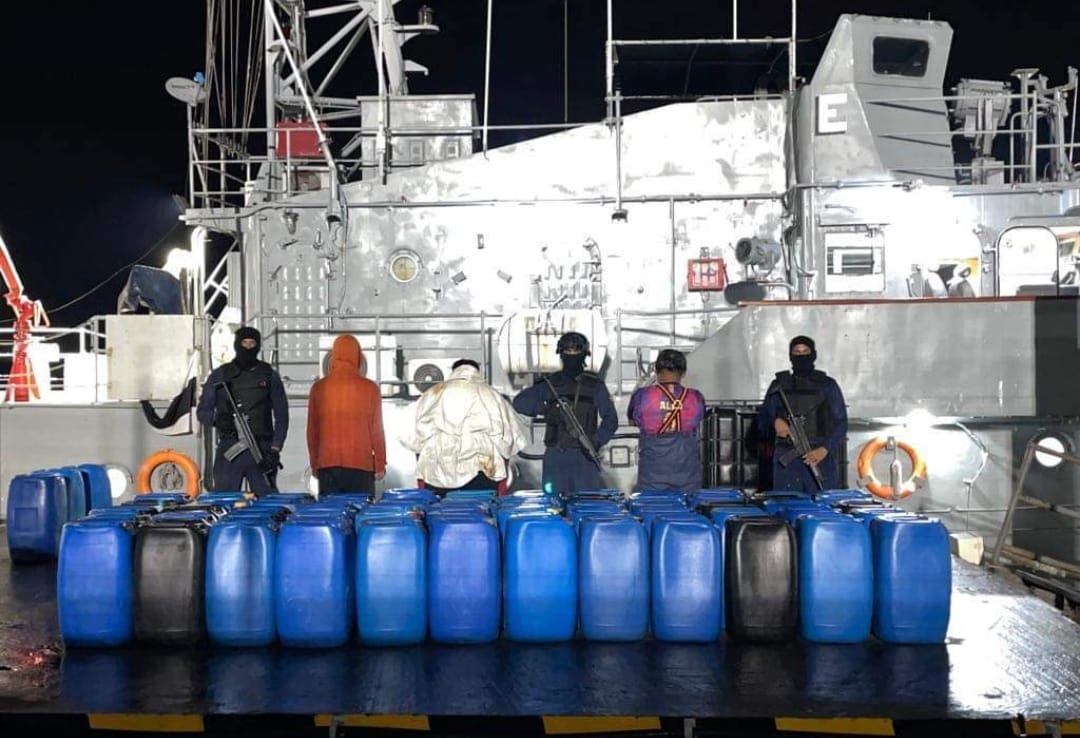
761	584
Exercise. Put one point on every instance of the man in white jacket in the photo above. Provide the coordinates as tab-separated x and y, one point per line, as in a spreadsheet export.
465	433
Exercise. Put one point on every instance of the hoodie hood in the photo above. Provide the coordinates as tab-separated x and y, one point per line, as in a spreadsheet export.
346	355
467	372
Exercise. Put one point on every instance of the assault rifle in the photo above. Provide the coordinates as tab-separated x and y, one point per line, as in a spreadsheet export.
246	439
574	426
799	439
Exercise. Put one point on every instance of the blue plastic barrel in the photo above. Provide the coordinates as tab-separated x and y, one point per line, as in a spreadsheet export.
595	494
717	494
424	497
650	516
391	582
78	500
313	583
96	481
287	498
37	508
541	579
687	580
836	579
912	579
94	584
464	579
833	496
472	495
670	495
613	566
225	499
159	500
240	558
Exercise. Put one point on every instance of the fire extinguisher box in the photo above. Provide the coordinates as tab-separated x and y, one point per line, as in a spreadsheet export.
297	140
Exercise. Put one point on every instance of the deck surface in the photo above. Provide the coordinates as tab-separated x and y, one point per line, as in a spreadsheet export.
1008	653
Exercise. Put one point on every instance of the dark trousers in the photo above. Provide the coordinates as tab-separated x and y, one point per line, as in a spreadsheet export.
569	470
334	479
229	476
480	481
796	476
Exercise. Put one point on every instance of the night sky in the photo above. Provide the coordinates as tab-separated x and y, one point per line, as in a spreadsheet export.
93	147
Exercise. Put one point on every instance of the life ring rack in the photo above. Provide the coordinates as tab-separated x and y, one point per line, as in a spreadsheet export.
868	479
182	464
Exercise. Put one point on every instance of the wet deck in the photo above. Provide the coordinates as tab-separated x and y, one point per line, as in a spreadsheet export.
1008	653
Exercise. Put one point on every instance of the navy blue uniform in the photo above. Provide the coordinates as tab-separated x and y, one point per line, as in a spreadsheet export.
566	466
817	397
260	394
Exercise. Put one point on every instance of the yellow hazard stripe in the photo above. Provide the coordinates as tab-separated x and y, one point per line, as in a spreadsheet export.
566	725
1039	727
147	723
837	726
393	722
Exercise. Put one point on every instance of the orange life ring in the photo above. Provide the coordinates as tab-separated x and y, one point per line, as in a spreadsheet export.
188	469
865	469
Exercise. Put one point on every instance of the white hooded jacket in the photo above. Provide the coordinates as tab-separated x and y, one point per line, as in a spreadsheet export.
463	427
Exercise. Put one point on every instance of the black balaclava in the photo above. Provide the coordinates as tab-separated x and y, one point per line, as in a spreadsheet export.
573	364
802	366
246	358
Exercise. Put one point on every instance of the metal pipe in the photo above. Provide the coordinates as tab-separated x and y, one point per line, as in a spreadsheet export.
794	45
734	19
487	75
270	88
331	10
674	242
382	143
1035	502
332	73
1006	525
618	153
324	144
397	204
609	59
1033	141
342	32
767	41
566	59
618	352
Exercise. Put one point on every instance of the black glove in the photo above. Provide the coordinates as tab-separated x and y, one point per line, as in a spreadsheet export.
271	461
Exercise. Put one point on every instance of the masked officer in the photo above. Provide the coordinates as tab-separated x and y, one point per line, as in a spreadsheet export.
260	396
815	397
567	467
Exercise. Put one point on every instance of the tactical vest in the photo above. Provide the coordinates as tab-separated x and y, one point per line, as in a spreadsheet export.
251	390
579	394
807	398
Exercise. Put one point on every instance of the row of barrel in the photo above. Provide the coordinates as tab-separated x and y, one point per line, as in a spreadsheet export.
530	567
41	502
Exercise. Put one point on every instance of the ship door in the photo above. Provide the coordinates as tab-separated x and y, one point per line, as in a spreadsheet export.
1038	260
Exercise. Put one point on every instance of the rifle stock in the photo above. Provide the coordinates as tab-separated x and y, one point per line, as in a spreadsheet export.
246	437
574	426
799	440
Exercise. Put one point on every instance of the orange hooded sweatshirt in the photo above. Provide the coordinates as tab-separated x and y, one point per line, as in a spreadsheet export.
344	422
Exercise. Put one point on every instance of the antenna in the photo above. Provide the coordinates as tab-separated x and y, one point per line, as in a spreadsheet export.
185	90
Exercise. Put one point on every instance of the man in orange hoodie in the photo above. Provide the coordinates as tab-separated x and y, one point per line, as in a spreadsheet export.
346	444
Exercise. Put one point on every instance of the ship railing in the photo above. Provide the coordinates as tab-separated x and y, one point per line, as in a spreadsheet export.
613	95
1022	130
63	382
634	336
225	175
